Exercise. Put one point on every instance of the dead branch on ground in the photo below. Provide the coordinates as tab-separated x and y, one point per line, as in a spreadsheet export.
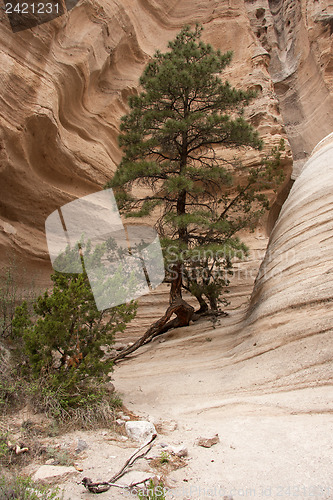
106	485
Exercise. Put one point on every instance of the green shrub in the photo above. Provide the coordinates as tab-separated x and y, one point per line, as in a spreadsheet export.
25	489
152	492
63	350
14	287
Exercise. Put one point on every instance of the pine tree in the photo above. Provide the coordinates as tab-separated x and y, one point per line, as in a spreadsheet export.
174	140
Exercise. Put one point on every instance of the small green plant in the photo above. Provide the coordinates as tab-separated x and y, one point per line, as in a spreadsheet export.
14	287
152	492
60	457
164	457
25	489
63	349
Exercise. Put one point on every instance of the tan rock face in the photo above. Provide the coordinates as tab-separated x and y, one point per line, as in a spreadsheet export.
65	85
297	36
294	284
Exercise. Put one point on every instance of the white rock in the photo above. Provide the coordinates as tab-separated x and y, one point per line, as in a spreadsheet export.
126	417
140	430
180	451
51	471
120	421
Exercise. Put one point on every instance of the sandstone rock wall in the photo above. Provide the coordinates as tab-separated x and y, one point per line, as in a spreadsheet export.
293	295
65	86
298	38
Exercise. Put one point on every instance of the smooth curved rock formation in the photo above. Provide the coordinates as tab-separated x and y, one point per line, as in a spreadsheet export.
298	38
297	272
65	85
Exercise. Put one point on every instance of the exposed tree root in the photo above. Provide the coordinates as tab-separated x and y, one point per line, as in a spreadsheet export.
180	308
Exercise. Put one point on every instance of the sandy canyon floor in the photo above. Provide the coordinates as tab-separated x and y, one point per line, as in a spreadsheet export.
270	403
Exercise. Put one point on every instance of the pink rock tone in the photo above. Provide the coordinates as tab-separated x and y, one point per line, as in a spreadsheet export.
65	85
260	377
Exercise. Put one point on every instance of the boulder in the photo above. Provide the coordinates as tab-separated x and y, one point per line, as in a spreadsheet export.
140	430
180	451
46	472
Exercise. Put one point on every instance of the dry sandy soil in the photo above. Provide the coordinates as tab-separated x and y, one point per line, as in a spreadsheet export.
271	404
271	444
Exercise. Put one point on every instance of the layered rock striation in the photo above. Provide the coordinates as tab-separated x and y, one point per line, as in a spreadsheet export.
65	85
298	38
296	274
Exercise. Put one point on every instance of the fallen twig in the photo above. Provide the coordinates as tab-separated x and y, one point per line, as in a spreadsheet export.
180	308
106	485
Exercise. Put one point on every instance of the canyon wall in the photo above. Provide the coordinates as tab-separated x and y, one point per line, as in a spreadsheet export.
298	37
295	277
65	85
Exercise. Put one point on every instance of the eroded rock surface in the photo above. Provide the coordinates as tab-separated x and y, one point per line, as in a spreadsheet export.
298	38
65	85
295	278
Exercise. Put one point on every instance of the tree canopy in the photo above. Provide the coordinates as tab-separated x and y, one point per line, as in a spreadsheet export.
174	142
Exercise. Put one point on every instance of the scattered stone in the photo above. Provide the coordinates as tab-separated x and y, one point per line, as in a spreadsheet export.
104	433
180	451
164	445
126	417
81	446
19	450
123	438
208	442
140	430
166	426
120	421
51	471
79	468
50	461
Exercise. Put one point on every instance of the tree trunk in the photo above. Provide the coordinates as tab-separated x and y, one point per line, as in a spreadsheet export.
213	303
176	283
202	303
180	308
